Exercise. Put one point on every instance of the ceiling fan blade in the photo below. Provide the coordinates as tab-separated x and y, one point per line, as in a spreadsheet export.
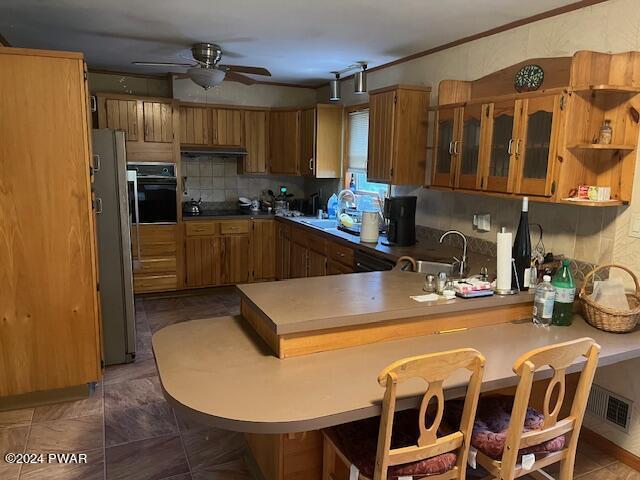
244	69
163	64
180	75
236	77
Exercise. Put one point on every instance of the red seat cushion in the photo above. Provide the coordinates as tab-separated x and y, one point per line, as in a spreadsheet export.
491	424
358	441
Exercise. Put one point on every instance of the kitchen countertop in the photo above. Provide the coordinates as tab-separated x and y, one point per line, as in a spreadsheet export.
317	303
423	250
226	215
218	372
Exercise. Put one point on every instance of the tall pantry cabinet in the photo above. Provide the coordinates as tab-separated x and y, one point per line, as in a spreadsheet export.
49	319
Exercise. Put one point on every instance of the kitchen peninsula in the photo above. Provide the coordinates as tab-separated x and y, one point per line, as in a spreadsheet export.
219	371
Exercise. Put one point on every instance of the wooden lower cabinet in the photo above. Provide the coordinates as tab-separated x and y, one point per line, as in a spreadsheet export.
296	456
263	249
217	253
202	256
300	254
157	268
337	268
283	251
316	264
235	259
298	263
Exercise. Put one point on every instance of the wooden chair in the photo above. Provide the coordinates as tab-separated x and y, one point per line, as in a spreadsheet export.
559	357
433	369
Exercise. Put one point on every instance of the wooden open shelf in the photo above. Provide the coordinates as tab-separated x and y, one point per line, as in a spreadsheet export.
591	203
597	146
608	89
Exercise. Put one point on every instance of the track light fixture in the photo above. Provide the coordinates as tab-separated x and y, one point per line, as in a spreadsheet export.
359	80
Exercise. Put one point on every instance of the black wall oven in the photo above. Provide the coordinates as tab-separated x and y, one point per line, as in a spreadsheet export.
152	192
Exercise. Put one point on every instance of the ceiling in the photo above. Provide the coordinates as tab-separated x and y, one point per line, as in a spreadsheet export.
298	41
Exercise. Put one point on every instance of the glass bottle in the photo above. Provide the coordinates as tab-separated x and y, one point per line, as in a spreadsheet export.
606	133
565	293
522	249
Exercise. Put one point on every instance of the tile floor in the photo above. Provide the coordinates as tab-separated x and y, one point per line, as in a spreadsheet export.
128	431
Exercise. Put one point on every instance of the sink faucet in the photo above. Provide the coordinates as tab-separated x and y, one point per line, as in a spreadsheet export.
463	262
346	199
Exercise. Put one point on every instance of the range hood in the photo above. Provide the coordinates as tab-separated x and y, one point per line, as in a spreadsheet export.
213	151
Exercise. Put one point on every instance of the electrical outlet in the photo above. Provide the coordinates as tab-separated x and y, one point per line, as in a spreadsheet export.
482	222
634	225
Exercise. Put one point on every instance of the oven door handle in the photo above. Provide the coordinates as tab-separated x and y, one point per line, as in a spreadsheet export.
132	176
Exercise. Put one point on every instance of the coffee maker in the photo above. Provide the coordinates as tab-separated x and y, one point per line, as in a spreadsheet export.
400	213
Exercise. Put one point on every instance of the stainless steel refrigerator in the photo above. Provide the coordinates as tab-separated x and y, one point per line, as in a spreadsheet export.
114	246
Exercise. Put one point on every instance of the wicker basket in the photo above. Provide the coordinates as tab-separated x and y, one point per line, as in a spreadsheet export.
606	318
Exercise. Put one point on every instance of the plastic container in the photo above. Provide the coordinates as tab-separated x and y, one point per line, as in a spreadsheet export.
332	206
565	294
543	301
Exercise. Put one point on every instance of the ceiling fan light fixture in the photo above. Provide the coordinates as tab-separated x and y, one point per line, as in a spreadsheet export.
206	77
334	88
360	80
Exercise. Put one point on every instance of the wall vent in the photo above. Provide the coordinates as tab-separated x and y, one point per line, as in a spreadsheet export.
610	406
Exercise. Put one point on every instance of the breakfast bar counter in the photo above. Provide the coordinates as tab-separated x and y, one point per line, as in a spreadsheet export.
308	315
220	373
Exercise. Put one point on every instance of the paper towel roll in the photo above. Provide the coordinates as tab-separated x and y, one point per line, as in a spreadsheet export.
505	245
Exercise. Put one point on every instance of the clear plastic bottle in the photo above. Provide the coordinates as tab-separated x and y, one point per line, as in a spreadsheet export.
543	301
565	294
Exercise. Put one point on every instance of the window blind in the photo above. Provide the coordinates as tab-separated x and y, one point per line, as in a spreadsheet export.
358	139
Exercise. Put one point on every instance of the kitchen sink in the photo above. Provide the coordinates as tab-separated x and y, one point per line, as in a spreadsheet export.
323	224
424	266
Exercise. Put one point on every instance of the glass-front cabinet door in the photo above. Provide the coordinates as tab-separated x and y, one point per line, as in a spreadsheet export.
447	142
536	147
468	148
503	130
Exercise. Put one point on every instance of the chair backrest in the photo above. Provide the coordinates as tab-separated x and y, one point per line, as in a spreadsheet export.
559	357
434	369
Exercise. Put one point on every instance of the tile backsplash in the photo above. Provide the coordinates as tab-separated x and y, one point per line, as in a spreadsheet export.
216	180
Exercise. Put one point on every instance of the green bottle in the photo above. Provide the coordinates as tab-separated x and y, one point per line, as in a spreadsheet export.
565	293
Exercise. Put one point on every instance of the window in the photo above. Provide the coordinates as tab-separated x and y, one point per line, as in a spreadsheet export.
357	150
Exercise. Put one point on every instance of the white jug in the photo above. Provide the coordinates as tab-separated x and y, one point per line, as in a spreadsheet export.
370	227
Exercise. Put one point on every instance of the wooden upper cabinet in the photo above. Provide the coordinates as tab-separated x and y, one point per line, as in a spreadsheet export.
321	141
284	142
195	125
469	151
447	141
503	131
381	122
121	115
398	120
256	141
150	125
227	126
537	145
158	121
307	141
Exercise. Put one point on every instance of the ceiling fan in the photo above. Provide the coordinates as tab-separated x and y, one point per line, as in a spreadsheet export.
206	69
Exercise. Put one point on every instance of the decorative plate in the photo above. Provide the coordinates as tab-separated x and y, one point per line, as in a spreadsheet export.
529	78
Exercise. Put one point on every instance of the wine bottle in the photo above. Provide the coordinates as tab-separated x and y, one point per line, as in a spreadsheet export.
522	249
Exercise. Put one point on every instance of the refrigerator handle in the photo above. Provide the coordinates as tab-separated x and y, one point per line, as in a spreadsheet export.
132	176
